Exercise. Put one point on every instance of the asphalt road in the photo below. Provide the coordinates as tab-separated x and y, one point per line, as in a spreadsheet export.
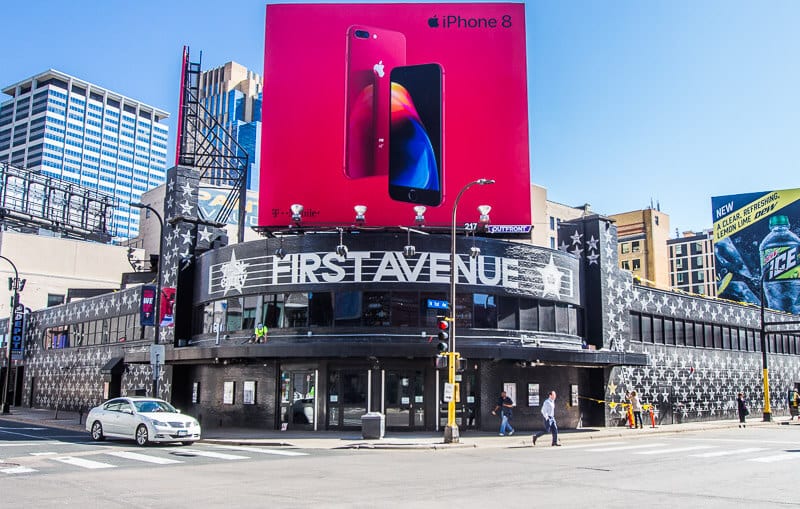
727	468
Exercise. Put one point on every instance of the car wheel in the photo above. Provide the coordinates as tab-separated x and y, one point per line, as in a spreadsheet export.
186	443
97	432
142	437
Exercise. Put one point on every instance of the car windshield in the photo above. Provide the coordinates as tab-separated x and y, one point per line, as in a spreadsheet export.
153	406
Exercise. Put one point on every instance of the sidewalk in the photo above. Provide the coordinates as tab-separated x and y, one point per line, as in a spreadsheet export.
393	440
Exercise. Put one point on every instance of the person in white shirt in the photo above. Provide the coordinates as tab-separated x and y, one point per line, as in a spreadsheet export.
549	414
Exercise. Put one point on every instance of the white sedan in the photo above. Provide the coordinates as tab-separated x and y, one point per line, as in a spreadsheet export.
142	419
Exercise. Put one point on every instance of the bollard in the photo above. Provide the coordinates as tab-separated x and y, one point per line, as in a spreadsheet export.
652	417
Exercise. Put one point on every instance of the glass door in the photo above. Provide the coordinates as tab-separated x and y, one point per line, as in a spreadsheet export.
404	403
347	398
298	399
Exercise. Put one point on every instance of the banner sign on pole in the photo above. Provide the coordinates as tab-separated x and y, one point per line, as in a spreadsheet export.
166	317
148	306
18	333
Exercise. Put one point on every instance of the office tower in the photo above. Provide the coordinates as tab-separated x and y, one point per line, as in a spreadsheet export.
73	130
231	94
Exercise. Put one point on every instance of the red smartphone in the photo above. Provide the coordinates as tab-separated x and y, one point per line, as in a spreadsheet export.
372	53
416	143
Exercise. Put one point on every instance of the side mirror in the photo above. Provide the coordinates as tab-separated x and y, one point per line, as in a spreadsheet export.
127	411
178	410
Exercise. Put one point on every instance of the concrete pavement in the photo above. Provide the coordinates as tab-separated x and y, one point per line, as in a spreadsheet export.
393	440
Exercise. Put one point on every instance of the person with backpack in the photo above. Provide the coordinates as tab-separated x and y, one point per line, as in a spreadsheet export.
741	407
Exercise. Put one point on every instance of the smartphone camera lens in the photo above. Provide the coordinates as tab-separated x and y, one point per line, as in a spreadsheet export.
362	34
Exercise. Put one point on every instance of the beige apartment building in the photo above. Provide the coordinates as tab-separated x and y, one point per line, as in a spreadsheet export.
643	236
52	266
691	263
546	215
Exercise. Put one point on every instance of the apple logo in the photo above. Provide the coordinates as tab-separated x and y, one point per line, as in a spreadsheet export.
433	22
378	68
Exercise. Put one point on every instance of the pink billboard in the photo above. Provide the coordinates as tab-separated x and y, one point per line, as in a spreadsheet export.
392	107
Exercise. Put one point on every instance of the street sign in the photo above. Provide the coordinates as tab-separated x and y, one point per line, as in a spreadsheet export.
157	355
448	392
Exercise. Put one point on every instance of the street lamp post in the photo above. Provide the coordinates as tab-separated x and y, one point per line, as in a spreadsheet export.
14	301
157	303
764	365
451	430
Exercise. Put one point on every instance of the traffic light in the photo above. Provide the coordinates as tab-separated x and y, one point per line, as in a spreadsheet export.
444	335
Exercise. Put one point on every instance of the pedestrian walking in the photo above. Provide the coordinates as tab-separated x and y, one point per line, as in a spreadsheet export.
794	401
505	405
741	406
636	406
549	414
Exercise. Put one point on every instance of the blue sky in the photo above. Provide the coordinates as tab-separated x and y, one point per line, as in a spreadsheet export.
629	100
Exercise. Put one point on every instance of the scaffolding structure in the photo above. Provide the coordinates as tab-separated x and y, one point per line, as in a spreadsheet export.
30	201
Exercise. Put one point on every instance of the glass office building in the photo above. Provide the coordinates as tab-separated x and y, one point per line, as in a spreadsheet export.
79	132
231	94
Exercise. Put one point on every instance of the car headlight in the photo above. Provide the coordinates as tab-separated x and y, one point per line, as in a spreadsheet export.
158	423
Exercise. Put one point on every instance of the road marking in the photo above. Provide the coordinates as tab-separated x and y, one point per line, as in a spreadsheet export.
17	470
625	448
83	463
43	453
677	449
261	450
142	457
586	446
209	454
21	429
777	457
726	453
28	444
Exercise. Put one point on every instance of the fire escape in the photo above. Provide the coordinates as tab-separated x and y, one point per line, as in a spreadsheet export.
205	144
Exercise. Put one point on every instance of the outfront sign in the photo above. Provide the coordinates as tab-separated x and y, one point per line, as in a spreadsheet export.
393	106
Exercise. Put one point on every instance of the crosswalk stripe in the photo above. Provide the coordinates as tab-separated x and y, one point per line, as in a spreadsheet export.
625	448
143	457
586	446
209	454
83	463
777	457
261	450
43	453
726	453
676	449
17	470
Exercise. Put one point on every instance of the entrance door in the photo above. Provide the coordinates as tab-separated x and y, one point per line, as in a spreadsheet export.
403	399
347	398
298	399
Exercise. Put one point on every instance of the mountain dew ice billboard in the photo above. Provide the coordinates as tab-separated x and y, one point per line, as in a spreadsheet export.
755	236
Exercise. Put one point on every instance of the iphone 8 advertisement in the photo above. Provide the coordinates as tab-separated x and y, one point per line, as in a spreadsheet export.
392	106
371	55
415	135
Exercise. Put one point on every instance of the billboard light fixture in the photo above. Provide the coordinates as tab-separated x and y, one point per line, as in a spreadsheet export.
420	211
484	210
297	211
409	251
361	210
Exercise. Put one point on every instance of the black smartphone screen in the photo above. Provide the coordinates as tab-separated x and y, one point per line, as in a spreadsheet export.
415	136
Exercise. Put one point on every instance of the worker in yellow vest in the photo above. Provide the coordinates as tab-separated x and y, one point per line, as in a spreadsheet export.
261	333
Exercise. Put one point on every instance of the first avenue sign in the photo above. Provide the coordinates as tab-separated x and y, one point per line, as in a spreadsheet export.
238	275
